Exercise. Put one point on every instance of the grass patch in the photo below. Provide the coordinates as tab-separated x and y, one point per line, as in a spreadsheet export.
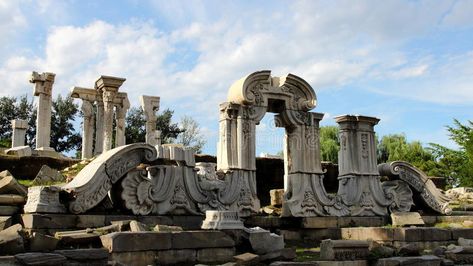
307	254
25	182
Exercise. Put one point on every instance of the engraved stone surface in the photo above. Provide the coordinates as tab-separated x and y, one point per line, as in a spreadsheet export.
220	220
44	199
406	219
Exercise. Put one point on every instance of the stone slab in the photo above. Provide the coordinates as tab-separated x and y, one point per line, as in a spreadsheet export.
12	199
40	242
213	255
11	240
134	258
406	219
320	222
20	151
139	241
367	233
422	234
246	259
201	239
84	254
344	249
462	232
175	256
426	260
46	221
9	185
282	254
38	258
263	241
48	176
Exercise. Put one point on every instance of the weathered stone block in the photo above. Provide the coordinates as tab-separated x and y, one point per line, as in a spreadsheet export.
366	221
141	241
426	260
277	197
282	254
167	228
12	199
49	221
201	239
134	257
5	221
8	210
136	226
9	185
11	240
20	151
263	241
174	256
84	254
47	176
406	219
344	249
465	242
320	222
44	199
38	258
90	221
246	259
368	233
212	255
460	232
41	242
221	220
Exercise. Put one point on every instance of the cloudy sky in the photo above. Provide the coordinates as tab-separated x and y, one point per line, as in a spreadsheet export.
409	63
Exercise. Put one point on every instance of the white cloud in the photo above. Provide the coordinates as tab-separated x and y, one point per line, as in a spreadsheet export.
460	14
11	21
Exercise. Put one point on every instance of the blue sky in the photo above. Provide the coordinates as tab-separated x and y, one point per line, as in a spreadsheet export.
409	63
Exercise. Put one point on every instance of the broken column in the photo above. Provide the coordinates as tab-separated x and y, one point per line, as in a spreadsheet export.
359	180
99	128
150	105
108	87
87	129
19	127
121	108
43	84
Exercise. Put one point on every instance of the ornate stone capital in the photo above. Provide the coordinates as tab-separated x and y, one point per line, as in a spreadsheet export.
43	82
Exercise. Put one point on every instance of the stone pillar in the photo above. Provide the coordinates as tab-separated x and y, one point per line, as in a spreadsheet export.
359	180
19	132
108	86
99	129
150	105
43	84
227	143
87	129
121	115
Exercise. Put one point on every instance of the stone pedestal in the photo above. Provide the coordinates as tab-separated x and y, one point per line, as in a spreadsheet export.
108	87
19	127
44	199
150	105
219	220
43	87
359	180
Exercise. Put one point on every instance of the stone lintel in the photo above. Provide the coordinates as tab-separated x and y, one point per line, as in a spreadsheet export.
357	118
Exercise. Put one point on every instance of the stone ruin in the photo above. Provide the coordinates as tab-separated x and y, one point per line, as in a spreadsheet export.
164	180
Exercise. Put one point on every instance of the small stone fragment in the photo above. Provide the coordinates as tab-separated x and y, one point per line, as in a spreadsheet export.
411	249
246	259
167	228
11	240
136	226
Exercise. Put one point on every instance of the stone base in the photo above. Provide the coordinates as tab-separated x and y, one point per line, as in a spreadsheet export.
20	151
221	220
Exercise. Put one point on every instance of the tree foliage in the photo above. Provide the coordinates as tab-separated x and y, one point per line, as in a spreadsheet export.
191	135
64	138
136	129
329	143
13	108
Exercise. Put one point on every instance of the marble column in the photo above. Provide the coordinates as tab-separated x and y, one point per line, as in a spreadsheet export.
87	129
19	127
359	180
120	130
99	128
43	84
108	86
150	105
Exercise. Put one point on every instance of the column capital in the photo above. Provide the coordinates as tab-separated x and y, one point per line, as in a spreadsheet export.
43	82
109	83
19	123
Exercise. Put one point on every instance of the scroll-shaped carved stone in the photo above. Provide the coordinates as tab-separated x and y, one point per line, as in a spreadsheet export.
400	194
420	182
92	184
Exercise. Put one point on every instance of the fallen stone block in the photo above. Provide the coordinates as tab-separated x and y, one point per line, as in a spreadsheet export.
426	260
40	242
85	254
5	221
11	240
20	151
136	226
344	249
48	176
12	199
213	255
277	197
9	210
460	254
246	259
406	219
136	241
411	249
175	256
167	228
37	258
263	241
9	185
201	239
133	258
85	236
9	261
465	242
282	254
44	199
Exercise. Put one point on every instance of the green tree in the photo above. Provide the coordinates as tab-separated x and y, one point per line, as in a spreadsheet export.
11	109
136	131
329	143
64	138
456	165
191	135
